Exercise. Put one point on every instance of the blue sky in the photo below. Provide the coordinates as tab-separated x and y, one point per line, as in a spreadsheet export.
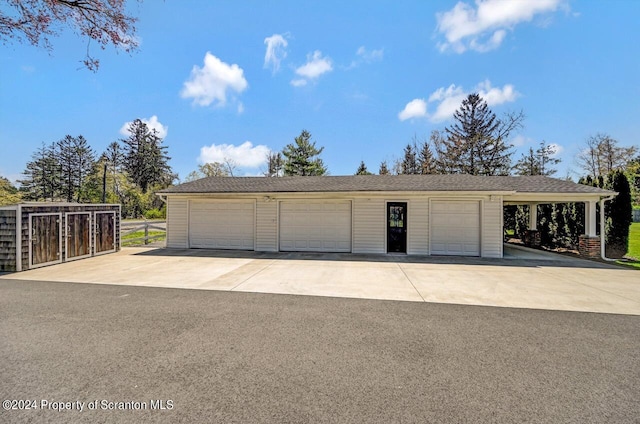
236	79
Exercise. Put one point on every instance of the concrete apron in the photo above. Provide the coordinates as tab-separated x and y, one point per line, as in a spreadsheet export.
567	284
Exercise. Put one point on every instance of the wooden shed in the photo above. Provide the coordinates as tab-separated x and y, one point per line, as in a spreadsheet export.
39	234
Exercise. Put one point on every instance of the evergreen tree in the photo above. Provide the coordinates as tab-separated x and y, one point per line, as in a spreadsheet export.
302	157
384	168
75	158
145	158
42	175
274	164
538	162
409	164
426	159
619	215
476	142
362	169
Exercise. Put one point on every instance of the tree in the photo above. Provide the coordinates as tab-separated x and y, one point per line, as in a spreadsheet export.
538	162
362	169
9	194
602	155
384	168
302	157
619	215
210	169
476	143
145	158
409	163
274	164
42	175
75	158
102	21
426	159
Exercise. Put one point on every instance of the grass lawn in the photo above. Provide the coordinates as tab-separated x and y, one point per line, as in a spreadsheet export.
634	246
140	234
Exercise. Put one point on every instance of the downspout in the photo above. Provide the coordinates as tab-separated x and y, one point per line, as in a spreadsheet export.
602	228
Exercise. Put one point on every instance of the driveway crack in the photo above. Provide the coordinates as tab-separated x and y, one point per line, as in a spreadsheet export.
410	282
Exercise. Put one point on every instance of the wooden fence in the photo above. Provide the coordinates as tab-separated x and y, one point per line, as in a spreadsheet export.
127	228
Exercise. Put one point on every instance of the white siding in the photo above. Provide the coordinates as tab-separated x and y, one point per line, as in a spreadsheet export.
418	227
266	226
492	232
177	222
369	226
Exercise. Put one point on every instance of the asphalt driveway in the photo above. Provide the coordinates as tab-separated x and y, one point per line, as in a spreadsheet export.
249	357
537	282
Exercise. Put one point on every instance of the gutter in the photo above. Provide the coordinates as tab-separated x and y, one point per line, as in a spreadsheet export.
602	228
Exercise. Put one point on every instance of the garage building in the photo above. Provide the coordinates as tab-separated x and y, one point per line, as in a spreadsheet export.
383	214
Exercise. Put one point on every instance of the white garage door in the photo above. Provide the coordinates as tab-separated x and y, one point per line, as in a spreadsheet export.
221	225
318	226
455	228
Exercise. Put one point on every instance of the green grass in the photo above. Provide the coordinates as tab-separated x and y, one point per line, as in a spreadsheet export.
634	247
140	234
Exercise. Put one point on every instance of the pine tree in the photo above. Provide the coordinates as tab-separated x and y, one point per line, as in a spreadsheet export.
409	164
476	142
145	158
42	175
384	168
426	160
75	158
274	164
362	169
538	162
619	215
302	157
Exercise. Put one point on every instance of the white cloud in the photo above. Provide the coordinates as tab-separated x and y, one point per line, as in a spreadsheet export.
152	124
483	27
211	83
370	55
448	100
558	149
276	51
366	56
298	82
416	108
316	65
520	140
245	155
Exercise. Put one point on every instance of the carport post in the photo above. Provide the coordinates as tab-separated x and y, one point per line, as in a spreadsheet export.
590	218
533	216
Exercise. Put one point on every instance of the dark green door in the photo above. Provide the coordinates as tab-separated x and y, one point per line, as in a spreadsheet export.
397	227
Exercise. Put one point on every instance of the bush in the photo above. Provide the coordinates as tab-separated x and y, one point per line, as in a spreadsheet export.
619	216
156	213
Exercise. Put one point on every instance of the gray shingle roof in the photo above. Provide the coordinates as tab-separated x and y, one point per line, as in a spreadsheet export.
380	183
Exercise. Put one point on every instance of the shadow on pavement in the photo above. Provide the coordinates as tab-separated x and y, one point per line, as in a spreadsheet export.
355	257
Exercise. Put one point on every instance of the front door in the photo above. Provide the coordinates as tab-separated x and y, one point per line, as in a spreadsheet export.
397	227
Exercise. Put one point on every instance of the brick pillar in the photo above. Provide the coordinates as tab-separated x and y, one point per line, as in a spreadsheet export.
589	247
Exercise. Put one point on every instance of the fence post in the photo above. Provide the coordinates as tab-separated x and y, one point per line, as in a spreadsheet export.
146	232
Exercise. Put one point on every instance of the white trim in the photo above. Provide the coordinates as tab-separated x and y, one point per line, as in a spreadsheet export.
66	234
95	233
59	260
